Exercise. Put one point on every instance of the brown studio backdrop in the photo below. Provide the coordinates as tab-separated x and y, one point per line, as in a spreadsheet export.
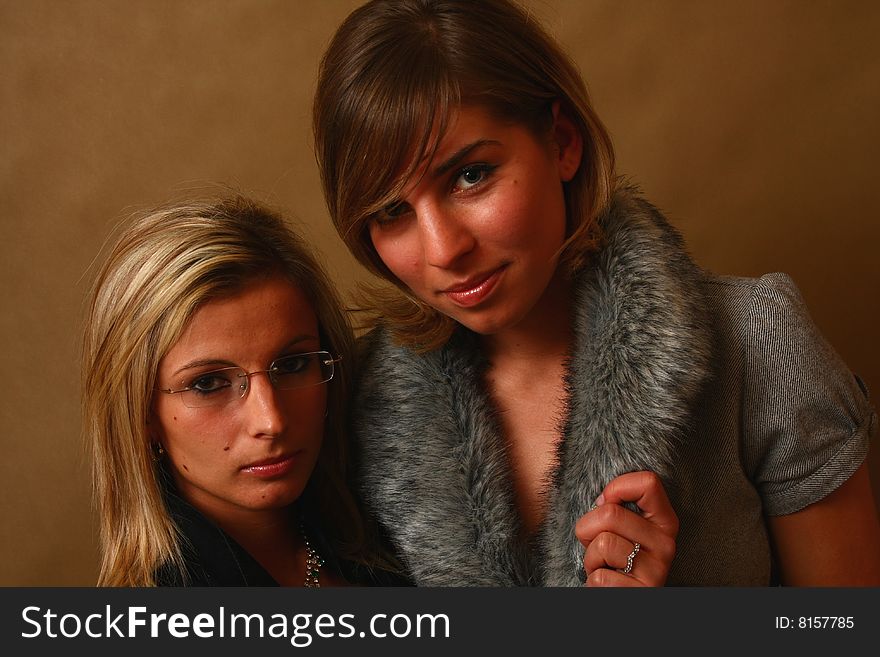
752	124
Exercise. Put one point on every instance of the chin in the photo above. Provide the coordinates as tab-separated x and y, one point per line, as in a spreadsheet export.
276	499
490	324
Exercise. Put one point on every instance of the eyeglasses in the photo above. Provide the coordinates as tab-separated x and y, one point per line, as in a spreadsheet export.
220	387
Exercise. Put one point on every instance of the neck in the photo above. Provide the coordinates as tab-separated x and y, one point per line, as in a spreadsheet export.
273	539
525	378
545	332
256	528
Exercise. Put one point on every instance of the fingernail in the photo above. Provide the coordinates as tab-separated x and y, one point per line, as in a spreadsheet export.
599	501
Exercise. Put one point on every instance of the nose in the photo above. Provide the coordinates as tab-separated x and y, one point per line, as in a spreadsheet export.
445	236
266	416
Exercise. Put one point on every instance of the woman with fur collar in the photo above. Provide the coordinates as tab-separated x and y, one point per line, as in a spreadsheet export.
554	393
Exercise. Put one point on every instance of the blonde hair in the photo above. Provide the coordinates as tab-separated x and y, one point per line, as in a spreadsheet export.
388	83
166	263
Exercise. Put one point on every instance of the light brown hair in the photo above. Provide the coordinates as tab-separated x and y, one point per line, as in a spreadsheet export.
167	263
388	83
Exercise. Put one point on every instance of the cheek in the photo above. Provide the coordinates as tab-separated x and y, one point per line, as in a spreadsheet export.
514	218
188	439
402	257
310	415
538	214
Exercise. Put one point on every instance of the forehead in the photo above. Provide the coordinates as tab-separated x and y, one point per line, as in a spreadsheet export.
461	126
252	323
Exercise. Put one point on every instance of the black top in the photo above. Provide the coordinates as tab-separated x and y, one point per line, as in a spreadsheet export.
213	558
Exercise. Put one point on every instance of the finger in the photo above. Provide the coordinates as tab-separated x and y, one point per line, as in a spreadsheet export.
645	490
645	568
605	577
607	551
617	520
656	542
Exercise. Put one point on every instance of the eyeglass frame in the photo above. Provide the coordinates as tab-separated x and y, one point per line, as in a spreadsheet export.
245	384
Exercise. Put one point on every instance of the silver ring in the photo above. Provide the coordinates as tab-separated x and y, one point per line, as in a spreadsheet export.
631	558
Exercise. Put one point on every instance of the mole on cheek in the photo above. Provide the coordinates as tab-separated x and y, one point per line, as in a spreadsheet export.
226	449
185	468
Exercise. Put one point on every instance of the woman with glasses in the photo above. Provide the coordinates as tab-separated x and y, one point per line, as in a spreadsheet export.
554	392
217	366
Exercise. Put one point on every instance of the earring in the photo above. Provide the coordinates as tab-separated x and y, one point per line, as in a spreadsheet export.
157	452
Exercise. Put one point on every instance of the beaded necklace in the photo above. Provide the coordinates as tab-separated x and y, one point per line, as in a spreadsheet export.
314	561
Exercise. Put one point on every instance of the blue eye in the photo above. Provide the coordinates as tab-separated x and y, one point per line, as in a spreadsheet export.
472	175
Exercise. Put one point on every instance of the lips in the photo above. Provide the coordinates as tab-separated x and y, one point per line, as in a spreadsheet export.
475	289
271	467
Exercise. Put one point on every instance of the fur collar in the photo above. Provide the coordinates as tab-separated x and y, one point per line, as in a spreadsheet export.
433	465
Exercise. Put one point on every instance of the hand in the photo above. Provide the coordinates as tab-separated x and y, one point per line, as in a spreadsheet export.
610	531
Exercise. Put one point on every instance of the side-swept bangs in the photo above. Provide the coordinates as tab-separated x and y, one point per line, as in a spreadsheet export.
376	117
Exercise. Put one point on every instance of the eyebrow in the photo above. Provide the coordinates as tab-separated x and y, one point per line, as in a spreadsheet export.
202	362
453	160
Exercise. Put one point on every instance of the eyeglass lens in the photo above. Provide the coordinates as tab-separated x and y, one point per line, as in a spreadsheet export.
224	386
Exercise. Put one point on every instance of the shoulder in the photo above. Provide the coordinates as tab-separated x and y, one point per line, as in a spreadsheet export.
750	308
768	318
778	344
765	296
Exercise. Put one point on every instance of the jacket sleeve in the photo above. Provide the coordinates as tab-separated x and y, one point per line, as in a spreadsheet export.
807	420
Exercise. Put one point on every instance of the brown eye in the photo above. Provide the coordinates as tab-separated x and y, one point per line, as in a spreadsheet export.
211	382
293	365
